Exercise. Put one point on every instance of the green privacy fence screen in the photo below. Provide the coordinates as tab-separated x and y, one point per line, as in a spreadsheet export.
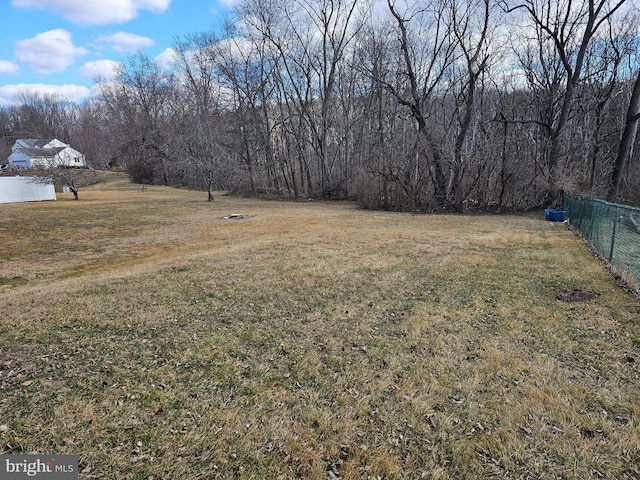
612	230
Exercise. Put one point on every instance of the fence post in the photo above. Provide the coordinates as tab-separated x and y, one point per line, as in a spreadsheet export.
594	208
613	238
581	207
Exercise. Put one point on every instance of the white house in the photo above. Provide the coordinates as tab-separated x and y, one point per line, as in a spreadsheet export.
44	153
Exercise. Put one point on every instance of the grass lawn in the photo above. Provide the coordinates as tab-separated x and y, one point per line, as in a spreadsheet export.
155	339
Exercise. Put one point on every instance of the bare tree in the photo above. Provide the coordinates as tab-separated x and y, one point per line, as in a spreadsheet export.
470	26
569	27
139	105
63	176
198	126
93	136
603	70
6	133
309	41
47	116
427	52
626	140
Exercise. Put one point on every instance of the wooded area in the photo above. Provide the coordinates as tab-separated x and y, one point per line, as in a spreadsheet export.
446	104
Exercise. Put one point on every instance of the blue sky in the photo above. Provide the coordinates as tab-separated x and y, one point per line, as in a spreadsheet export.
61	46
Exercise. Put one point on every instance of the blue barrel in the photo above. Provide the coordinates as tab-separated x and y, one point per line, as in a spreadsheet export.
554	215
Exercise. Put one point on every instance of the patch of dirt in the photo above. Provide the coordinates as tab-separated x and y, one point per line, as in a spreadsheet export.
576	295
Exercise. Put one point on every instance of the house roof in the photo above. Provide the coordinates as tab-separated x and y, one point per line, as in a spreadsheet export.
35	142
41	152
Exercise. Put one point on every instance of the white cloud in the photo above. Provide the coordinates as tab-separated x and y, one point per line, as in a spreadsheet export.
100	69
8	67
126	42
100	12
167	58
9	93
230	3
49	52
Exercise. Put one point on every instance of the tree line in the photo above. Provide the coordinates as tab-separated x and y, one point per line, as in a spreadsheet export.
445	104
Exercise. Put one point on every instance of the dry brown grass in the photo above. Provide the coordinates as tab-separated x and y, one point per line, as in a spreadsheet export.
155	339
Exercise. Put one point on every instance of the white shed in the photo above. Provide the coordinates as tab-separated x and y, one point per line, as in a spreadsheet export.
25	189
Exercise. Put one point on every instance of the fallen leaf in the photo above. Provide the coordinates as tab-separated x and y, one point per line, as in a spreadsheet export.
27	383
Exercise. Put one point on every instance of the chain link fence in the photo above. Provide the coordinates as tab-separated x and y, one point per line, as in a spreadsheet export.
612	230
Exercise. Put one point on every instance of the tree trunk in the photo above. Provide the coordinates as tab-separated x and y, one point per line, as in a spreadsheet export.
554	189
247	151
210	191
626	141
503	164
